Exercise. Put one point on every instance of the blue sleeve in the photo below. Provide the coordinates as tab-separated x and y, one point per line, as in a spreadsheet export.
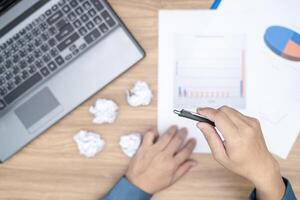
124	190
288	195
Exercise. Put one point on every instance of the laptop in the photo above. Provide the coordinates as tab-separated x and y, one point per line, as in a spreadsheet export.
53	56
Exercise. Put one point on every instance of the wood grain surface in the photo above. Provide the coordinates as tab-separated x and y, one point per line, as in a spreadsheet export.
51	167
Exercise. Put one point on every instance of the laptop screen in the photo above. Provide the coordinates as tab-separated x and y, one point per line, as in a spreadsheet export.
13	12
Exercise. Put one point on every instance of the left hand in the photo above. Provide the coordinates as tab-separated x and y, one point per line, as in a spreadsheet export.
159	163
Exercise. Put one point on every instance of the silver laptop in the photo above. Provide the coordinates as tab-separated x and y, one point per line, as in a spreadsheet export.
53	56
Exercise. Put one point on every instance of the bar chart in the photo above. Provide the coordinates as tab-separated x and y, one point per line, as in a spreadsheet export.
213	76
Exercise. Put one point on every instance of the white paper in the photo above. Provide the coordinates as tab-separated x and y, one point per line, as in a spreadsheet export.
139	95
88	143
272	92
130	143
104	111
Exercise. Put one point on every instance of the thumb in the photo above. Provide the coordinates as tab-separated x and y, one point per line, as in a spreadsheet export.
214	141
183	169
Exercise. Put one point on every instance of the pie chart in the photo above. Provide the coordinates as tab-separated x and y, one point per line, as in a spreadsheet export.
284	42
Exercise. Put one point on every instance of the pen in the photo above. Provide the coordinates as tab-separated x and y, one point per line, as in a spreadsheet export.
193	116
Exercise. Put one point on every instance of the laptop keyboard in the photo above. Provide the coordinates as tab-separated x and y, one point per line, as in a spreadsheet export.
47	44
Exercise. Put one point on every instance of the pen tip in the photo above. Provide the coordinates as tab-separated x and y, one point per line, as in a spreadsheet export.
176	112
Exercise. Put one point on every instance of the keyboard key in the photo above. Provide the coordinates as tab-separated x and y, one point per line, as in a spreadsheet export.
87	5
52	42
71	16
8	75
16	70
43	26
48	12
37	42
32	69
23	64
37	53
66	8
16	58
97	4
46	58
84	18
21	89
92	36
97	20
10	85
64	32
83	31
45	36
23	31
25	74
103	28
59	60
52	30
8	64
71	39
30	59
3	91
16	36
2	69
44	47
79	11
75	52
68	57
54	7
52	66
92	12
61	2
54	52
73	3
77	23
2	80
61	23
90	25
109	20
30	47
39	64
2	105
45	71
54	18
17	80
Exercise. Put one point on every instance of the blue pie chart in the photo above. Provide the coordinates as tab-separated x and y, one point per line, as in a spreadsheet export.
284	42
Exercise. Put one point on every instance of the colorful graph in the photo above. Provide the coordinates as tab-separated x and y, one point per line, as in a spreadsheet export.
284	42
209	71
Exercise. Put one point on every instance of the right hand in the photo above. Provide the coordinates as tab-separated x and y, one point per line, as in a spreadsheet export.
244	150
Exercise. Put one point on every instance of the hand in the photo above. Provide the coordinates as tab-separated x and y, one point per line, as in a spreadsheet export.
159	163
244	150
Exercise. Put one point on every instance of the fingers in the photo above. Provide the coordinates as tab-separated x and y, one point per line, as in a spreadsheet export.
176	142
149	138
166	138
183	169
222	121
238	118
186	151
214	141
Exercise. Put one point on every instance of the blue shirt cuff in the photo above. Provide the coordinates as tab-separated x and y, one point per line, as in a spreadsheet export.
288	195
124	190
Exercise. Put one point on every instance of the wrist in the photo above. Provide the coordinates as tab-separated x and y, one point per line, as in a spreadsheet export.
139	183
269	184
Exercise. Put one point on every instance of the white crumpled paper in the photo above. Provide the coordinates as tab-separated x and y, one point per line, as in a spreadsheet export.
104	111
139	95
130	143
88	143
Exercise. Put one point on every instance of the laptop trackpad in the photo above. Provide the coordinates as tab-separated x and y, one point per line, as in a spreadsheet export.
39	110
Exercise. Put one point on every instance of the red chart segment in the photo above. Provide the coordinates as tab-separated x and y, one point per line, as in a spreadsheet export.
284	42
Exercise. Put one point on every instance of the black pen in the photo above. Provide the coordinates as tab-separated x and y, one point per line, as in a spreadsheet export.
193	116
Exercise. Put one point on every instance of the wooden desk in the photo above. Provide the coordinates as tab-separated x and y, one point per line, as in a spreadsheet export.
51	168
